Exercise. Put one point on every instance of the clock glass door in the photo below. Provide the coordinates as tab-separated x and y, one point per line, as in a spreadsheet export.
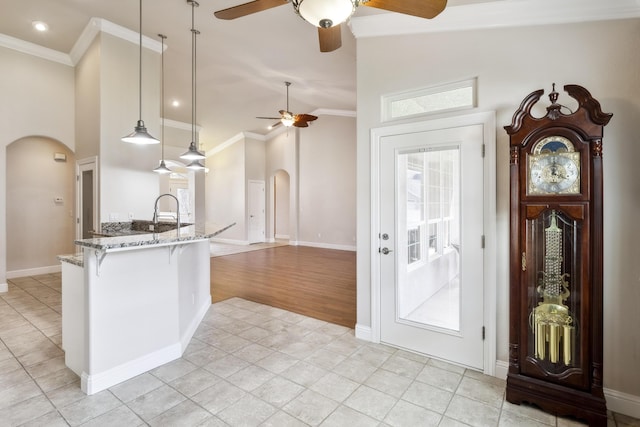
553	272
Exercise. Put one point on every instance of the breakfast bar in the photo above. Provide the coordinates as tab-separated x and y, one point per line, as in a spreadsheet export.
132	303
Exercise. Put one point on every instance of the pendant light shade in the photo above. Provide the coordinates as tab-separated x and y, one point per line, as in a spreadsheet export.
162	169
193	153
140	134
196	166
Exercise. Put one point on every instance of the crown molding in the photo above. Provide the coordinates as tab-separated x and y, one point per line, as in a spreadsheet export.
496	14
332	112
91	30
98	25
236	138
180	125
35	50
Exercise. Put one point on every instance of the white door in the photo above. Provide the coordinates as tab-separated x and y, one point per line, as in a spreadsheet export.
256	207
431	243
180	189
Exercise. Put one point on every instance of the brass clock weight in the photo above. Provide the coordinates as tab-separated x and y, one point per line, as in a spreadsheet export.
555	334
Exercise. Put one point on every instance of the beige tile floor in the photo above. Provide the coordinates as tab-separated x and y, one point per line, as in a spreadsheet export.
248	365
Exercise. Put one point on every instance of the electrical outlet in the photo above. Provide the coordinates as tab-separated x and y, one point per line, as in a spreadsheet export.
130	215
113	217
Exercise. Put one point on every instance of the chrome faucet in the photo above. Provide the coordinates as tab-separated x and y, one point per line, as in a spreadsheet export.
155	211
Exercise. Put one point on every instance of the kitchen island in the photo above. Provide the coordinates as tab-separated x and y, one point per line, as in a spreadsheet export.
132	303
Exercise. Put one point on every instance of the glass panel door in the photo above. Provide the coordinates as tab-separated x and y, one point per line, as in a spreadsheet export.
429	210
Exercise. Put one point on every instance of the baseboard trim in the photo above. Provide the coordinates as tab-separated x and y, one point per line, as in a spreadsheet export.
327	246
622	403
34	271
229	241
193	325
95	383
4	287
363	333
502	368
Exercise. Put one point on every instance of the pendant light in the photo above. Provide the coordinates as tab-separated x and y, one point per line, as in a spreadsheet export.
140	134
193	154
162	169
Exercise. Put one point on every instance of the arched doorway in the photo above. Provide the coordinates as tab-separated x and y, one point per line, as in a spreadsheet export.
40	205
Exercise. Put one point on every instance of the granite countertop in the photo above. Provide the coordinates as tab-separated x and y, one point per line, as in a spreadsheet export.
184	234
75	259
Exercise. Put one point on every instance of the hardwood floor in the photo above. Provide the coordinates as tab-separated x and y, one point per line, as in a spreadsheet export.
319	283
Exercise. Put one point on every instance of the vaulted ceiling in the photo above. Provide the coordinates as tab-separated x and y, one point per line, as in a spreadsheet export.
242	63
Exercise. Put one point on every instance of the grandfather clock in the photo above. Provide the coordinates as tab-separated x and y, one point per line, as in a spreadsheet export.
555	335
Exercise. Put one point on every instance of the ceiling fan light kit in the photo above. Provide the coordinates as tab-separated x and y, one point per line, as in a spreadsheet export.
328	15
325	13
288	119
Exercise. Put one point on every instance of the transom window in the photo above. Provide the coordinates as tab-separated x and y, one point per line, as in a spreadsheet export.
436	99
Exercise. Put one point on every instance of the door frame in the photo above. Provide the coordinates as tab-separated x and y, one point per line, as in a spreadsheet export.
89	163
262	203
488	121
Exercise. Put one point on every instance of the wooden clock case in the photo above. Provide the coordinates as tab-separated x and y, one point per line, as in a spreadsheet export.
575	388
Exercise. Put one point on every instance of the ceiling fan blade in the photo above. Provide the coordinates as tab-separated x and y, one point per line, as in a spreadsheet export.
330	38
248	8
269	118
305	117
421	8
301	124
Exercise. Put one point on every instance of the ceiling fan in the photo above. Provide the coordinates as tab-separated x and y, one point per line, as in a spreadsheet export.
289	119
328	15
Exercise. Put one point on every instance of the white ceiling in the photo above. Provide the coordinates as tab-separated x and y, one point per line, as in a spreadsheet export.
242	63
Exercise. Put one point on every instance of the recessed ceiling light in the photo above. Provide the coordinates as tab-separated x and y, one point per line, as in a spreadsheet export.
175	103
40	26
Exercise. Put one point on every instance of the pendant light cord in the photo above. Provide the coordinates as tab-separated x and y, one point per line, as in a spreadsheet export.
194	34
162	36
140	69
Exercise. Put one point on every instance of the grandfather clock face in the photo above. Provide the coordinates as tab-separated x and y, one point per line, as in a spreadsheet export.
553	167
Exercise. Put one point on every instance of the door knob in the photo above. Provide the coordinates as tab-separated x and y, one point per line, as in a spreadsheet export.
385	251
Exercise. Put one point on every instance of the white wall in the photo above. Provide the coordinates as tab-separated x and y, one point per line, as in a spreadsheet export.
128	184
225	189
328	183
87	96
37	99
281	205
510	64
